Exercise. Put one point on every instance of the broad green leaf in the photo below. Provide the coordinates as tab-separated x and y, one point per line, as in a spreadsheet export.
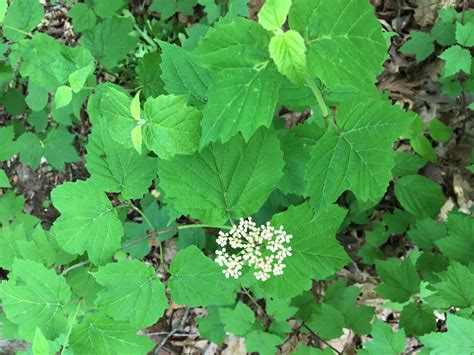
288	51
326	321
83	17
457	285
99	335
197	280
83	284
59	148
10	236
39	248
116	168
3	10
110	41
360	156
459	339
88	222
407	164
240	100
13	101
421	44
444	30
400	280
132	293
223	181
273	14
4	182
345	42
149	74
78	78
316	253
426	232
457	59
465	34
262	343
417	319
8	148
35	298
439	131
22	17
182	75
309	350
62	97
419	195
210	327
191	236
384	340
240	44
39	120
171	127
280	310
37	97
107	8
30	149
459	245
239	320
40	344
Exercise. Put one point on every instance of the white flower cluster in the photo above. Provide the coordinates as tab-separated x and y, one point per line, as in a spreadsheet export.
262	248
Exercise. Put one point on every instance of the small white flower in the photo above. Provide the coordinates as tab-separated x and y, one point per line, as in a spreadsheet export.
262	248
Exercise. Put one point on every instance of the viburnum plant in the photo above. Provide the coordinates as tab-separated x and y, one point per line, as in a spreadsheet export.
256	201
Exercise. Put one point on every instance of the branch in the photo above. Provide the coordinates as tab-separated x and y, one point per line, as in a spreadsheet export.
174	331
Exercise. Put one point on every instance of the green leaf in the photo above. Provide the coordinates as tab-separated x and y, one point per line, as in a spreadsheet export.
137	139
210	327
4	182
288	51
3	10
35	298
149	72
273	14
316	253
465	34
262	343
191	236
10	237
326	321
280	310
107	8
444	29
421	44
110	41
400	280
62	97
459	339
308	350
22	17
238	321
182	75
8	148
135	108
37	97
419	195
240	44
345	42
83	17
417	319
407	164
78	78
88	221
457	59
439	131
384	340
99	335
132	293
223	181
426	232
240	100
459	245
359	157
58	148
171	127
116	168
457	285
198	281
40	344
423	147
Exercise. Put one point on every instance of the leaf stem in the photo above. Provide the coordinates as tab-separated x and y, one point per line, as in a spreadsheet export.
75	266
319	96
73	321
18	30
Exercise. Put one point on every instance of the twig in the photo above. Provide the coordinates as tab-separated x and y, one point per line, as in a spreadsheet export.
174	331
174	335
321	339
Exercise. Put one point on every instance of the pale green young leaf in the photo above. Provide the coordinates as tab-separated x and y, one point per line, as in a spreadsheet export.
35	298
384	340
132	293
316	253
88	222
135	108
239	320
62	97
421	44
197	280
22	17
439	131
40	344
3	10
240	44
4	182
116	168
288	51
78	78
182	75
459	339
137	139
171	127
273	14
419	195
400	279
459	245
110	41
262	342
359	157
83	17
345	42
465	34
223	181
457	59
99	335
240	100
